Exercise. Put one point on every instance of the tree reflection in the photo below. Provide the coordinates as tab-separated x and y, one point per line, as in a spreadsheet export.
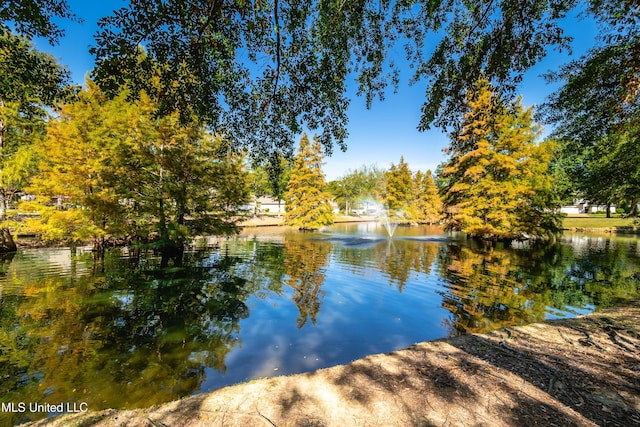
304	265
123	332
490	288
128	337
396	259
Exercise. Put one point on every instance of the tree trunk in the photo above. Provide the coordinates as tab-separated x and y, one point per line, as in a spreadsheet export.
3	202
2	130
608	210
6	241
3	205
633	212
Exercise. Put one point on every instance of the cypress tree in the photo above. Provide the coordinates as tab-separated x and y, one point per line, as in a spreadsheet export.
307	197
498	185
427	205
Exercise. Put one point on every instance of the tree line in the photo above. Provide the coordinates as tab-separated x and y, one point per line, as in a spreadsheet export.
496	184
154	147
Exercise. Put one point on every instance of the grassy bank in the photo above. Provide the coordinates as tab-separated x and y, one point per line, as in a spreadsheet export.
588	222
596	221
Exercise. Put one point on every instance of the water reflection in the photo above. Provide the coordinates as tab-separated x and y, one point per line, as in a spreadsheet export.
305	262
122	332
119	335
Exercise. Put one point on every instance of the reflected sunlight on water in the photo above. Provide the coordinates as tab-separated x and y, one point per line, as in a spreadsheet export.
123	333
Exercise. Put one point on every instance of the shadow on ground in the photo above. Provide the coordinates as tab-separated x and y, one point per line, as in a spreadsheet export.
579	372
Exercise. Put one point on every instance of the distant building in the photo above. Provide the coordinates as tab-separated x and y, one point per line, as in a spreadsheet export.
266	204
582	206
368	209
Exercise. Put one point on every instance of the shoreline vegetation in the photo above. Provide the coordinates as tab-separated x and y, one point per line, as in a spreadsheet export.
582	223
578	224
571	372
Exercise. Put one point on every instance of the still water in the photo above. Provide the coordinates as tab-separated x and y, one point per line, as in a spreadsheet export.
123	333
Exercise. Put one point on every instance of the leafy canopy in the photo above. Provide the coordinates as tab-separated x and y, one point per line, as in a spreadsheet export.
600	92
34	18
31	79
264	70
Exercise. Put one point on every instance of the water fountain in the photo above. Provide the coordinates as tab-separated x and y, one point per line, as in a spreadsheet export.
389	224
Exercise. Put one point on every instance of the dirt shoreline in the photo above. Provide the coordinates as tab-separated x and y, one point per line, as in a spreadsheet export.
570	372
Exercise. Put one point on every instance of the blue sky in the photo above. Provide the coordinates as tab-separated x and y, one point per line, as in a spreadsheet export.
377	136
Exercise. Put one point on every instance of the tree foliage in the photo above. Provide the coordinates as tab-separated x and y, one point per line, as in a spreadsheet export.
597	110
31	79
606	172
30	82
118	170
355	186
273	174
307	197
263	70
426	206
497	181
600	92
396	188
34	18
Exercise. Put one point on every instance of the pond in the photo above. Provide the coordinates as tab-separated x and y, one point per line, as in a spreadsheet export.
121	332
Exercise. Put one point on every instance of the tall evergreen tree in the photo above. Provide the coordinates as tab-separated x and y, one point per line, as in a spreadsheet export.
497	181
427	204
397	188
307	198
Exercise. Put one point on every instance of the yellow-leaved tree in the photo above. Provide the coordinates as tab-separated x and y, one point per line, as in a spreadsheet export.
427	204
113	169
308	201
497	181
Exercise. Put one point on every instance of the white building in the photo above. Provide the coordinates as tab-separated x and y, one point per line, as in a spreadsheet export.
582	206
266	204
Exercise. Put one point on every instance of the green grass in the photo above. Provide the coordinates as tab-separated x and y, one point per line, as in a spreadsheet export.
596	221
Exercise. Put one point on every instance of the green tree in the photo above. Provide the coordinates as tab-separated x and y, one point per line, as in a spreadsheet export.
599	92
34	18
307	198
307	50
355	186
346	191
259	185
278	168
497	180
75	196
602	171
610	173
30	83
597	107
